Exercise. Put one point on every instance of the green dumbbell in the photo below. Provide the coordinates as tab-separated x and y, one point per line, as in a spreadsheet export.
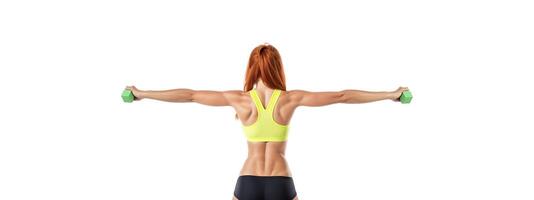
127	96
406	97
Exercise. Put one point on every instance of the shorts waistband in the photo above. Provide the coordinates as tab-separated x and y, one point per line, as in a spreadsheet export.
254	176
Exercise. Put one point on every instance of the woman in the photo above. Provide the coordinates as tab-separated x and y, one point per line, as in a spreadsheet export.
265	109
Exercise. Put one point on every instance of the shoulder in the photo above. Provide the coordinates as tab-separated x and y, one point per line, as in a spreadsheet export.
294	96
296	93
234	97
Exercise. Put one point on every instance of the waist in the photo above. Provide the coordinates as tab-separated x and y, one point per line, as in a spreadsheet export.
271	165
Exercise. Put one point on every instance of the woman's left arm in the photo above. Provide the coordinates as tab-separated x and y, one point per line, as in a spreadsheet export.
205	97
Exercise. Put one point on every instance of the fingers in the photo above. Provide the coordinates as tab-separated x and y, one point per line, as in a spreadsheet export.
130	87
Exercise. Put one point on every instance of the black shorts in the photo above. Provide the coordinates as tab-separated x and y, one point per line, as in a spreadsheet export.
250	187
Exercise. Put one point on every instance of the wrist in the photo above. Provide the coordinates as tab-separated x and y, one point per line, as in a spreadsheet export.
140	94
392	95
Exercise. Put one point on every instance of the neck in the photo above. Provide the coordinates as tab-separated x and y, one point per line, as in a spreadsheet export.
261	87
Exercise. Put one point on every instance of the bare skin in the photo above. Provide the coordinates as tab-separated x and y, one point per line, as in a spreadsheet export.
266	158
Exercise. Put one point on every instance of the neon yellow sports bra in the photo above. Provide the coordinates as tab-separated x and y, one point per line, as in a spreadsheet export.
265	128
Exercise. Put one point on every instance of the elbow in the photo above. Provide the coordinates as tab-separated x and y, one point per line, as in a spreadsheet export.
189	95
342	97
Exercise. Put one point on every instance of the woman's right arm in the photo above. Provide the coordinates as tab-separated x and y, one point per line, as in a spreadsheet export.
306	98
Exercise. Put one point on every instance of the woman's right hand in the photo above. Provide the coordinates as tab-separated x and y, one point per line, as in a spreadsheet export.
397	93
136	92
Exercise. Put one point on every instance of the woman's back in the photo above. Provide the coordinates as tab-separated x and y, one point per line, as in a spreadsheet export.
266	158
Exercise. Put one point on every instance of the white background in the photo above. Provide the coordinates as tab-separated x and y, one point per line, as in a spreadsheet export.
66	134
